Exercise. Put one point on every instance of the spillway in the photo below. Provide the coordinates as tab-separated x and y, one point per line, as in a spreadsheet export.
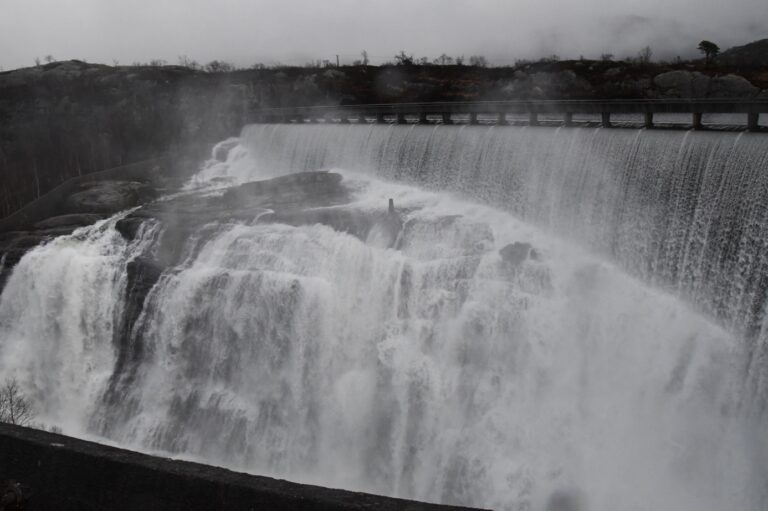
561	311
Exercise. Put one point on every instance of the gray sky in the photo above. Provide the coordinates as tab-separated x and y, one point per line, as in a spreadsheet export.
296	31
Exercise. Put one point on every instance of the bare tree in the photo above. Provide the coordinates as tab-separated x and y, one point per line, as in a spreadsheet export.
645	55
606	57
365	60
14	408
478	61
37	61
219	66
403	59
49	58
190	63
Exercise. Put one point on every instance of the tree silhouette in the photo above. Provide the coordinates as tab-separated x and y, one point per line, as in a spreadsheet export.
709	49
14	408
403	59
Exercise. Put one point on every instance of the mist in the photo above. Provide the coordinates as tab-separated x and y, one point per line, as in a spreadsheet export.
297	31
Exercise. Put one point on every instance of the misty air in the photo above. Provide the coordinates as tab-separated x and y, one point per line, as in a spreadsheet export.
429	255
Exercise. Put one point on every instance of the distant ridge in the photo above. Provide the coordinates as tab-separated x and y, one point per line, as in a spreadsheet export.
753	54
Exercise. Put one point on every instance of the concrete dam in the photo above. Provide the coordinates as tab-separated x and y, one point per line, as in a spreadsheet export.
542	312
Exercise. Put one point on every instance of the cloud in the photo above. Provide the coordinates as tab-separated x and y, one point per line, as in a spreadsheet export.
296	31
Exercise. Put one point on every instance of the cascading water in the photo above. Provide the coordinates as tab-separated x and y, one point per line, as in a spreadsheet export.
439	369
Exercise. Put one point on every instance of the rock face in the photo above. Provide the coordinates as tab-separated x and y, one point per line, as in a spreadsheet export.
108	197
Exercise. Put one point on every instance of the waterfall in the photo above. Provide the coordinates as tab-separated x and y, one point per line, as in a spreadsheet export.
683	211
617	359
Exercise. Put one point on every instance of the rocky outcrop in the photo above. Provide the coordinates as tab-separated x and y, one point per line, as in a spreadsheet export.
64	210
108	197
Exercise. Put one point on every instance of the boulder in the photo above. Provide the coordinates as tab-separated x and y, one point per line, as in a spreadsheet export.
732	86
675	84
108	197
686	84
517	253
129	227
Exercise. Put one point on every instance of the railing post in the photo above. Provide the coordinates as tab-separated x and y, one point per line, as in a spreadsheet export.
568	119
648	120
472	118
697	117
400	118
447	118
361	119
379	118
605	118
753	121
423	118
343	119
502	120
533	119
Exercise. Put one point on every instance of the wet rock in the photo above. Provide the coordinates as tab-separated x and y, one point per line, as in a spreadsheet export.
129	227
517	253
108	197
74	220
304	188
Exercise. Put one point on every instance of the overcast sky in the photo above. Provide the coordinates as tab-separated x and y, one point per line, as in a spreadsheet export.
296	31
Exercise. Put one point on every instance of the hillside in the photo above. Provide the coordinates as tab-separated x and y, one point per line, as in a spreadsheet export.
71	118
752	54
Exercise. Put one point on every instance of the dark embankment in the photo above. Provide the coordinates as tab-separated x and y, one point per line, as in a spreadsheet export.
63	473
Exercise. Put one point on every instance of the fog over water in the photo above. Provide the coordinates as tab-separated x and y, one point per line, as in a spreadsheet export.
297	31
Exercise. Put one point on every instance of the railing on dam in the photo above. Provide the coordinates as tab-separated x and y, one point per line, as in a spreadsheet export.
447	112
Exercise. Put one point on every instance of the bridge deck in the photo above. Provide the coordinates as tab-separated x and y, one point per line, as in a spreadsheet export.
500	109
